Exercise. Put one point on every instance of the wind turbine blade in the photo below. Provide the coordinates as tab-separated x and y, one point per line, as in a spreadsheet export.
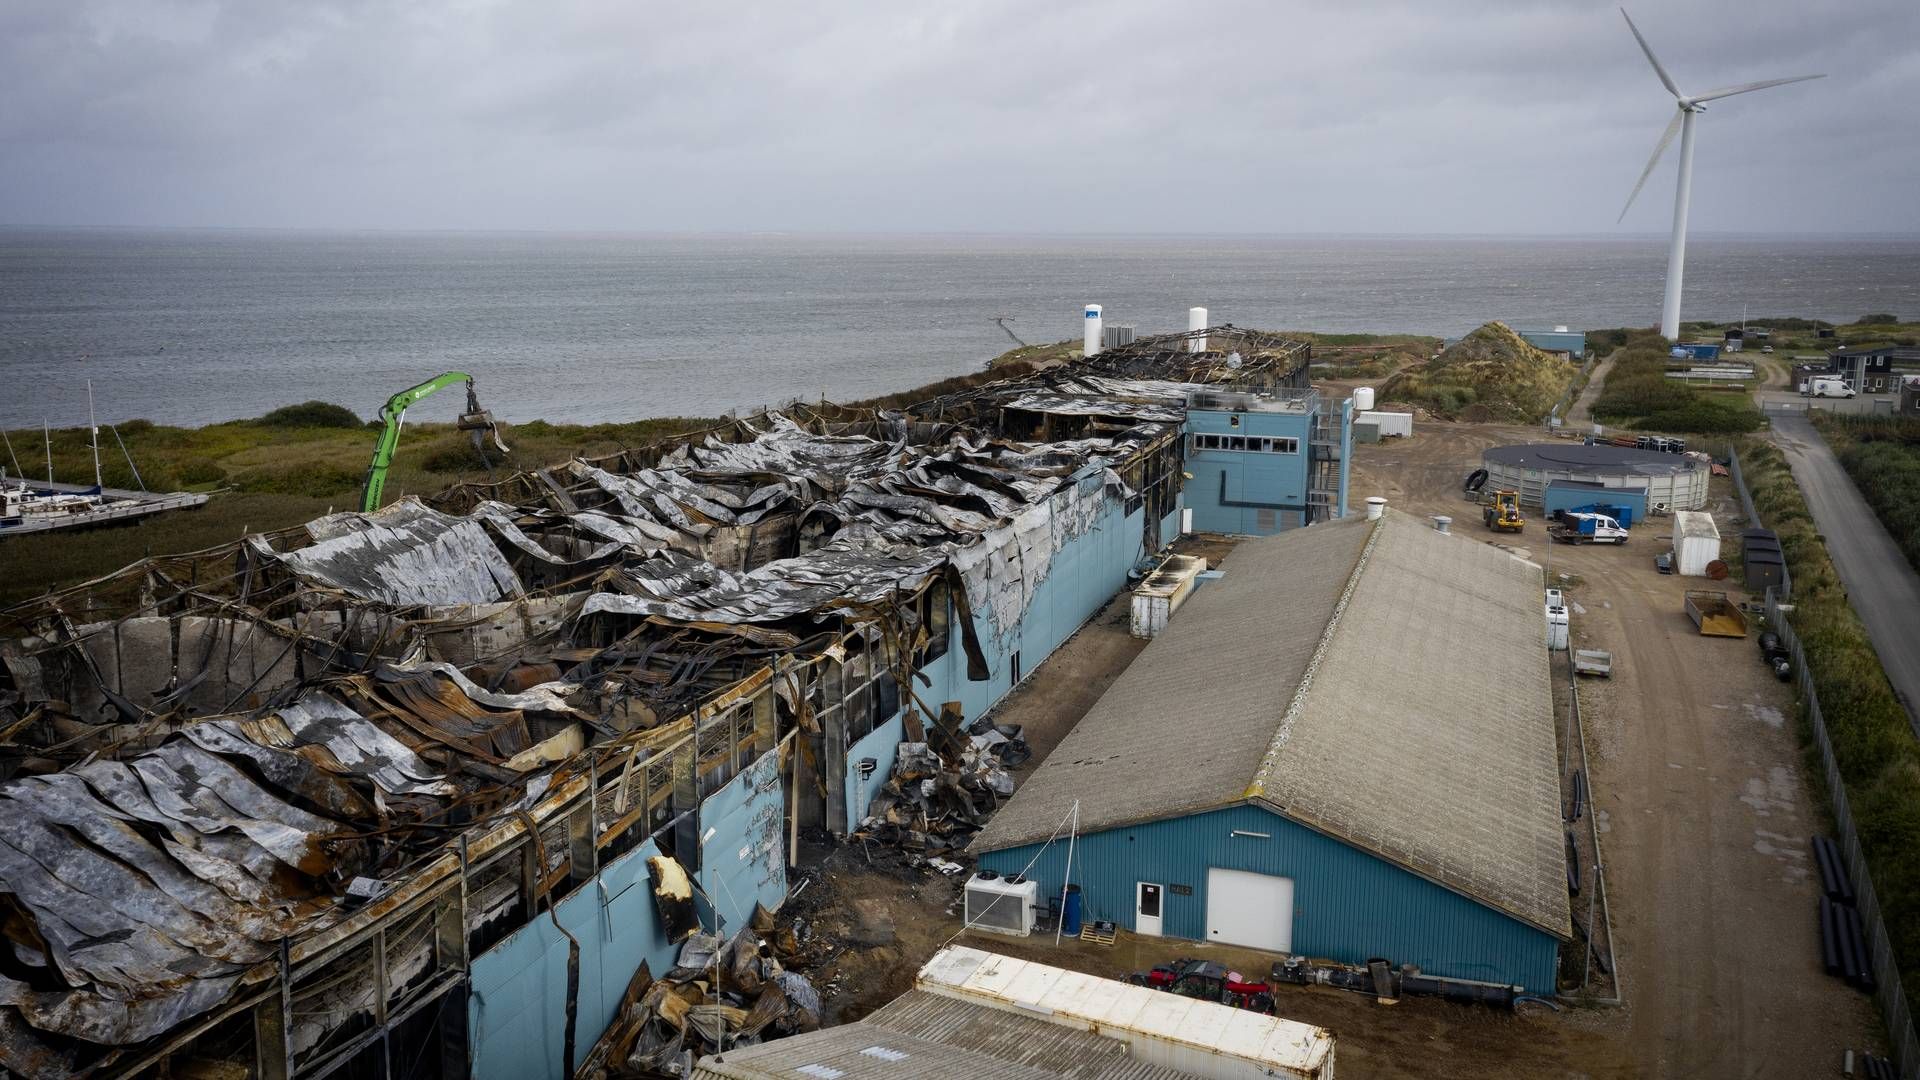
1729	91
1665	79
1666	140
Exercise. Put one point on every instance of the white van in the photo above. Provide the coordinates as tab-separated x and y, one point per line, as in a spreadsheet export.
1820	386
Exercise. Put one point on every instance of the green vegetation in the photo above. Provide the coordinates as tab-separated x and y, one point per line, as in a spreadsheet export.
1882	454
1878	757
311	414
1491	374
1638	393
1364	356
280	470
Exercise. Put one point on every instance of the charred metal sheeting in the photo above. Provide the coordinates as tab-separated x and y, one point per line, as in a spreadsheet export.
140	890
405	555
673	896
720	994
943	790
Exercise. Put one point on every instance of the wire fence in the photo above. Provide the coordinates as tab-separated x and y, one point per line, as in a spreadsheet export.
1887	992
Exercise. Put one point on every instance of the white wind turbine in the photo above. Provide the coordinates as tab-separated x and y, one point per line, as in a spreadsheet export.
1682	123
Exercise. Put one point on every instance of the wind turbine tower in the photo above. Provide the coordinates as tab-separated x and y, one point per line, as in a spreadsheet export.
1682	123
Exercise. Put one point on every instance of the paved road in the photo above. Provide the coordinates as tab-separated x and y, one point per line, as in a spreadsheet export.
1883	589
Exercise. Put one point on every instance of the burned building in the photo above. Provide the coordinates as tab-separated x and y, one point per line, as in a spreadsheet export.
380	795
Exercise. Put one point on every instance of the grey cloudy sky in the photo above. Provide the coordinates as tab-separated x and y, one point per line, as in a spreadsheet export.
1424	116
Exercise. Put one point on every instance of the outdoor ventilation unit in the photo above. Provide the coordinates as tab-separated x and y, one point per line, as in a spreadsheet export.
998	905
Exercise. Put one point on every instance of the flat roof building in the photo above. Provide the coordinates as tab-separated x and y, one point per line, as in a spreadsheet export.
1344	748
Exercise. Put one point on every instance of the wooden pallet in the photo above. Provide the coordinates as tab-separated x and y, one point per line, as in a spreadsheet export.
1100	933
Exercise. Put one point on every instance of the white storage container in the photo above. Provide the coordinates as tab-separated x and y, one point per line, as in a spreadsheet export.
1198	1037
1389	423
1696	542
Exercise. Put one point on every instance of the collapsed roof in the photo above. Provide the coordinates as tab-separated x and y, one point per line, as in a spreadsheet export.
202	751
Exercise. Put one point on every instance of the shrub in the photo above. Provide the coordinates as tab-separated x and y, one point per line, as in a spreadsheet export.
310	414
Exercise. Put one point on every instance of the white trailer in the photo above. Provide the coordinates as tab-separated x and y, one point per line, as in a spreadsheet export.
1696	543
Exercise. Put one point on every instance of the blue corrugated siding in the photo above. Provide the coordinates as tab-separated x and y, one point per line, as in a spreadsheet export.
517	1013
1084	574
1562	496
1348	906
743	844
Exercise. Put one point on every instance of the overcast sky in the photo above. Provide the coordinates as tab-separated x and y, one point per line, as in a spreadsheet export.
1440	116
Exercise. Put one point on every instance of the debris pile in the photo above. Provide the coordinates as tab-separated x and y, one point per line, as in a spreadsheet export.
721	993
943	790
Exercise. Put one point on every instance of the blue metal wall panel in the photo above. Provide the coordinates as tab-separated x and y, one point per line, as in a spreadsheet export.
1084	574
1563	496
743	844
1348	905
517	1012
516	1015
1244	476
882	744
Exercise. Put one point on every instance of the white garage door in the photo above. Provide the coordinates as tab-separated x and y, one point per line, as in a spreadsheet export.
1255	910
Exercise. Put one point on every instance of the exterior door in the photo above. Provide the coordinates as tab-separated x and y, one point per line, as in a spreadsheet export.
1146	909
1255	910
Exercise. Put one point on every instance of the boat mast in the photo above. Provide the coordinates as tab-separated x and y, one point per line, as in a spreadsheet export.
94	424
47	434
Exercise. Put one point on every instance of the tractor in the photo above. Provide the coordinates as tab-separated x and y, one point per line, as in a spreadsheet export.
1501	512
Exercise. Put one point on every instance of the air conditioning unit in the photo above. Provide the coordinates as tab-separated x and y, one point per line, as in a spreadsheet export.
998	905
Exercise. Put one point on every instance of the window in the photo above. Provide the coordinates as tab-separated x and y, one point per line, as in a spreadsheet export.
1245	444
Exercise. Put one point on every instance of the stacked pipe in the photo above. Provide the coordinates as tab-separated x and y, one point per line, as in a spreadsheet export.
1843	939
1776	656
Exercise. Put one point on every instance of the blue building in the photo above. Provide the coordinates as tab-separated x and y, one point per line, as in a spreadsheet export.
1569	344
1308	760
1262	463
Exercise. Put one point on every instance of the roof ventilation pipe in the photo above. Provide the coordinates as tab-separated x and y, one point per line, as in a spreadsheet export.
1092	344
1196	321
1376	506
1442	523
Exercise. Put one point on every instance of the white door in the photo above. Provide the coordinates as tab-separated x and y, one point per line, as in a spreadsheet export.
1147	917
1255	910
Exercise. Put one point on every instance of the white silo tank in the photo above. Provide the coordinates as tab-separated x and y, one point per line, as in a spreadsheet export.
1376	506
1363	399
1093	329
1196	320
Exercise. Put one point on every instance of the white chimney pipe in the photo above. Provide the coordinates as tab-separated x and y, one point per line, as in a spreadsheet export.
1196	320
1376	506
1442	523
1093	330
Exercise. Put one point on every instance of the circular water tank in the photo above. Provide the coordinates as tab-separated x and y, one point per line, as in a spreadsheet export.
1676	481
1363	399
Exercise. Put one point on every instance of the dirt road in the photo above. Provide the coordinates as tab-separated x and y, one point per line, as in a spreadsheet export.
1581	414
1706	816
1882	587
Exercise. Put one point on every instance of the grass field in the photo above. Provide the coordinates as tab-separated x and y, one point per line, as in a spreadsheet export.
270	473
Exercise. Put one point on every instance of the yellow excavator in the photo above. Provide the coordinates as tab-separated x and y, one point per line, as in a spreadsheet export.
1502	512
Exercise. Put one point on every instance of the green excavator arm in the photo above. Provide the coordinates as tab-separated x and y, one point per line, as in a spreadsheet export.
474	420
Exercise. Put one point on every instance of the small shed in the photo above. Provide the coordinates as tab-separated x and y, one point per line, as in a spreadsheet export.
1765	565
1696	542
1626	504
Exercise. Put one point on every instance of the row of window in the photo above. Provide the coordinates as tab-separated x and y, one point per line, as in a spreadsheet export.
1247	443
